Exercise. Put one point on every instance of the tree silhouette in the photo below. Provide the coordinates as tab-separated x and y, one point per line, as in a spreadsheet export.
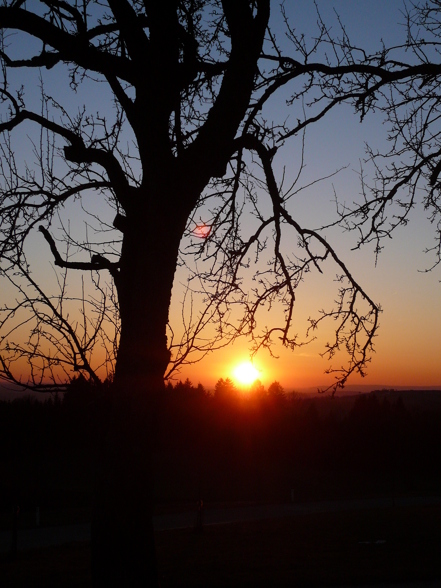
225	390
180	133
183	135
401	83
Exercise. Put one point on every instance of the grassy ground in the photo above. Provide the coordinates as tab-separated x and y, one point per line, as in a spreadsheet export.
369	546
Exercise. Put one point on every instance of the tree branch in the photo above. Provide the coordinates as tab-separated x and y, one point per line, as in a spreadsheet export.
70	47
98	262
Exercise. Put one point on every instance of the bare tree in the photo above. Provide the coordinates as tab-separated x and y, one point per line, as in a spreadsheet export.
179	150
401	84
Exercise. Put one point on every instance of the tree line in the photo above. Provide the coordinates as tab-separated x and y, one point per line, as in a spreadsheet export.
225	444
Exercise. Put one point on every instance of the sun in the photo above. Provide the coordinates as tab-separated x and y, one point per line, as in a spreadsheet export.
245	373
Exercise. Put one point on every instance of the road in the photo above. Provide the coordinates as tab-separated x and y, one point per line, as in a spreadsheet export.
48	536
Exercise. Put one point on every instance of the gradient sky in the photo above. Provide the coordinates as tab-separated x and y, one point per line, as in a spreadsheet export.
408	345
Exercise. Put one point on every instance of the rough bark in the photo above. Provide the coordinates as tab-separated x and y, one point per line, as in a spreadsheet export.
123	551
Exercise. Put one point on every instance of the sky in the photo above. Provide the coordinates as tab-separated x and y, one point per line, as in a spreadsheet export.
408	346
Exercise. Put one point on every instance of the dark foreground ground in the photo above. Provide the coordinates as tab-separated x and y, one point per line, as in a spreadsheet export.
361	547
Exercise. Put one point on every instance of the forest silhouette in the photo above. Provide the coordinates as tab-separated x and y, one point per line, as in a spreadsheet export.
225	445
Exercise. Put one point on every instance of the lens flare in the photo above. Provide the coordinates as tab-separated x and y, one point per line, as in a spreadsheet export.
201	231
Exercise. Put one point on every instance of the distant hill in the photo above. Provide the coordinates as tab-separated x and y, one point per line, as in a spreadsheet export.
9	392
367	388
425	399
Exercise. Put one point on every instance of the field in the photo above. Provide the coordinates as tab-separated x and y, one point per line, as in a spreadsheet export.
229	451
326	549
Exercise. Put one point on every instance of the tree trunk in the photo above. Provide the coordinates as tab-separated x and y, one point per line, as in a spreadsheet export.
123	549
123	552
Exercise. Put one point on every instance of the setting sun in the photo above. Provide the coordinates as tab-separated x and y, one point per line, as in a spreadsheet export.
245	373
